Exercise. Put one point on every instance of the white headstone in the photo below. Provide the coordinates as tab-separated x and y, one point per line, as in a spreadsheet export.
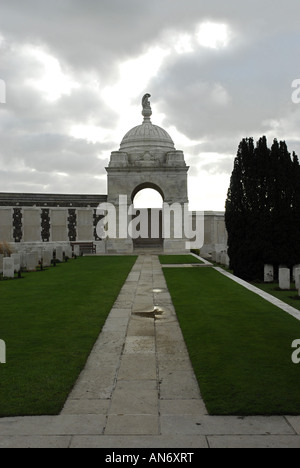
297	278
68	251
77	250
284	278
1	263
23	259
17	261
37	256
39	251
59	253
47	256
8	267
294	271
268	274
32	261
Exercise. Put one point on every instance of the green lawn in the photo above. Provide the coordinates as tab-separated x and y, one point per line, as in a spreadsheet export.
50	321
178	259
239	344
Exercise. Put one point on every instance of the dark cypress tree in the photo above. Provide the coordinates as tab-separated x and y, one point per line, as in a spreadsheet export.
263	208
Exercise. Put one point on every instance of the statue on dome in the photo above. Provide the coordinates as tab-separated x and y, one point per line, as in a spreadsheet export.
147	111
145	101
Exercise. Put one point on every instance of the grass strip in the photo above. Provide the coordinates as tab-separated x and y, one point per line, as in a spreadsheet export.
50	321
178	259
239	344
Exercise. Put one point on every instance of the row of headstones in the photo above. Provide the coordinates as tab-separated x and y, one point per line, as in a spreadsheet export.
284	276
30	260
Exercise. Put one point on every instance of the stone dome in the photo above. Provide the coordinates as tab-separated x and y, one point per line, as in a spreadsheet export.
147	137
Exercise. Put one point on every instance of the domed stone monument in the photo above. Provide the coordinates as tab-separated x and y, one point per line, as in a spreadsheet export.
147	158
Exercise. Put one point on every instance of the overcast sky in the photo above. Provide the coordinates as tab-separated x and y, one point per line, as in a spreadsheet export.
75	72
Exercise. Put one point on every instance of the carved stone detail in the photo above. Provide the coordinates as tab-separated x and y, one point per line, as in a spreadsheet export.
45	224
17	225
72	223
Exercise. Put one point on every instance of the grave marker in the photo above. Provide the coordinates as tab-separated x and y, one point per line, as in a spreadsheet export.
17	261
268	274
31	261
8	267
59	253
47	256
284	278
297	278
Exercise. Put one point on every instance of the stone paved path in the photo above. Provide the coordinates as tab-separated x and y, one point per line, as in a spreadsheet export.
138	388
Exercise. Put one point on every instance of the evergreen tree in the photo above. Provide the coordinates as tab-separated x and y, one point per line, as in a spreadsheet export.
263	208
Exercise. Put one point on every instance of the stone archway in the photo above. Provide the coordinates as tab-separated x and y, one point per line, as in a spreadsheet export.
147	185
151	234
147	158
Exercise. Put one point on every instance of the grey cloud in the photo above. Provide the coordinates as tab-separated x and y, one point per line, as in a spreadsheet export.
92	33
217	97
256	79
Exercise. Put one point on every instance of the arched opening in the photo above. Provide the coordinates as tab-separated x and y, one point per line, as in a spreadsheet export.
147	220
148	198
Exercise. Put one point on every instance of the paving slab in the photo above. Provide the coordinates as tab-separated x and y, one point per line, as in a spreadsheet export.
138	366
135	397
182	407
31	442
136	442
294	421
53	425
86	406
178	385
254	441
206	425
132	424
140	345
